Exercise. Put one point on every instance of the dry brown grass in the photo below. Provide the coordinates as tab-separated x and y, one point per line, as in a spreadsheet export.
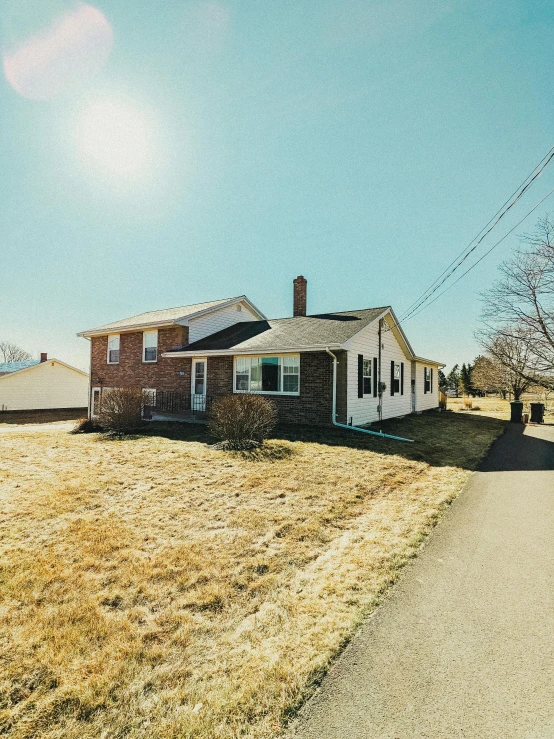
497	408
156	587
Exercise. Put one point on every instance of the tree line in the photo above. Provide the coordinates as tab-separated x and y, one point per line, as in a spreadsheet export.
517	324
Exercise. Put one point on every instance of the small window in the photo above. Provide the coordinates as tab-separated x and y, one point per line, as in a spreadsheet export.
427	377
113	349
96	401
367	376
150	346
396	377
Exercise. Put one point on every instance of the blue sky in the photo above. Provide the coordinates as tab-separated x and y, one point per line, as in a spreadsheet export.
361	144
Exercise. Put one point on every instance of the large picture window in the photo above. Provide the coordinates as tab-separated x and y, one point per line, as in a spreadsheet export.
268	374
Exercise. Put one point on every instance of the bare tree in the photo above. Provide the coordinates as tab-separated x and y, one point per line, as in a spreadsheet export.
508	352
12	353
520	305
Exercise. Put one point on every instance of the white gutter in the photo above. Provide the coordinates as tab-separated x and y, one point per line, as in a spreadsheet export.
343	425
252	351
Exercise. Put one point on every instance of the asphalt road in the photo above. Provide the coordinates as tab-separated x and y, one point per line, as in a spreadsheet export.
464	644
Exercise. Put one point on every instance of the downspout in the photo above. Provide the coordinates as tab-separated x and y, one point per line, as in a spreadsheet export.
379	388
334	412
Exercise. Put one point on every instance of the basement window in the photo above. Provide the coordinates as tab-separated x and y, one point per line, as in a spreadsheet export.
274	375
150	346
113	349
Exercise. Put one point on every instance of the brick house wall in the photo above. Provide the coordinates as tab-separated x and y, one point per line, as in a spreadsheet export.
132	371
312	406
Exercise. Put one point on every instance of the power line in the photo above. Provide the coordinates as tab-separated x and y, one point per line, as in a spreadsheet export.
413	315
514	198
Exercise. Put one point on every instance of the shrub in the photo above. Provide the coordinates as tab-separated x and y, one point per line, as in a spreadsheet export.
86	426
121	410
242	421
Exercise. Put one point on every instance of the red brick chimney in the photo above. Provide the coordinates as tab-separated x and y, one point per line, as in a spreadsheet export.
44	357
300	285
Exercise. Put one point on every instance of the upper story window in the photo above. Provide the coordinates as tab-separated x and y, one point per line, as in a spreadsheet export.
150	346
113	349
367	376
268	374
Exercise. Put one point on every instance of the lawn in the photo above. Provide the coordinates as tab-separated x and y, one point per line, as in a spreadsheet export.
155	587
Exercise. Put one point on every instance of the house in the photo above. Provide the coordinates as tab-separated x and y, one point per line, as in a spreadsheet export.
355	367
42	384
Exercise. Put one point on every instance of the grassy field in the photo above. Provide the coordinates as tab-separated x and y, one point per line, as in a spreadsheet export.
498	408
155	587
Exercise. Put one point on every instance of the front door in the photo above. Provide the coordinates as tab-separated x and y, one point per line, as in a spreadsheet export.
198	389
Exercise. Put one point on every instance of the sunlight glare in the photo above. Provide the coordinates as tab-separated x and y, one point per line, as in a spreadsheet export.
117	139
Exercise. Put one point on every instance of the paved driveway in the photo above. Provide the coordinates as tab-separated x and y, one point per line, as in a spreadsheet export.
464	645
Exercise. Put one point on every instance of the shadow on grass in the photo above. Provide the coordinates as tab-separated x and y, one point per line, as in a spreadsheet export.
441	439
21	418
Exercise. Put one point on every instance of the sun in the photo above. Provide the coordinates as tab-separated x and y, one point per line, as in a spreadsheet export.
117	139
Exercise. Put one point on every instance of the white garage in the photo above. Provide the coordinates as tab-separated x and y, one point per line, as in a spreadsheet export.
42	385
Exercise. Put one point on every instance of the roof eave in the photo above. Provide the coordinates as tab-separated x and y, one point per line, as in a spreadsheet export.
253	351
180	321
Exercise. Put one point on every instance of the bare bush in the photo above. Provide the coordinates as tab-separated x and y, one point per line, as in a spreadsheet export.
86	426
121	410
242	421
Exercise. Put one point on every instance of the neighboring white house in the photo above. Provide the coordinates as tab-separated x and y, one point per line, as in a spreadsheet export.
44	384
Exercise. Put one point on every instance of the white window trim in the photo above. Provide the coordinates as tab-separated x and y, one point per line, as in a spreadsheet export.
193	375
144	333
95	389
370	360
112	336
281	357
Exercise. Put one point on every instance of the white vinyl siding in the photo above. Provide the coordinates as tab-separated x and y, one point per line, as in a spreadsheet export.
150	346
426	400
268	375
364	410
45	386
218	320
113	349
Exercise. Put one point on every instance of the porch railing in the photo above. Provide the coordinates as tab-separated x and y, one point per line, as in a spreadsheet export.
185	404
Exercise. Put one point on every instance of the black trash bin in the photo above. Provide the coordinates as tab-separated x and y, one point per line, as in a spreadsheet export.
537	412
516	411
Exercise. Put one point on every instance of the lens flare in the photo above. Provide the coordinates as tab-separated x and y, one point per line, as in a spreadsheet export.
61	56
117	139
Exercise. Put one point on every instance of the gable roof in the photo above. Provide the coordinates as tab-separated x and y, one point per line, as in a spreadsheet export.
168	316
298	332
31	364
9	367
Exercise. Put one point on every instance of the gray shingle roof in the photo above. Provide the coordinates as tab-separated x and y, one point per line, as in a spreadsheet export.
168	315
8	367
286	333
